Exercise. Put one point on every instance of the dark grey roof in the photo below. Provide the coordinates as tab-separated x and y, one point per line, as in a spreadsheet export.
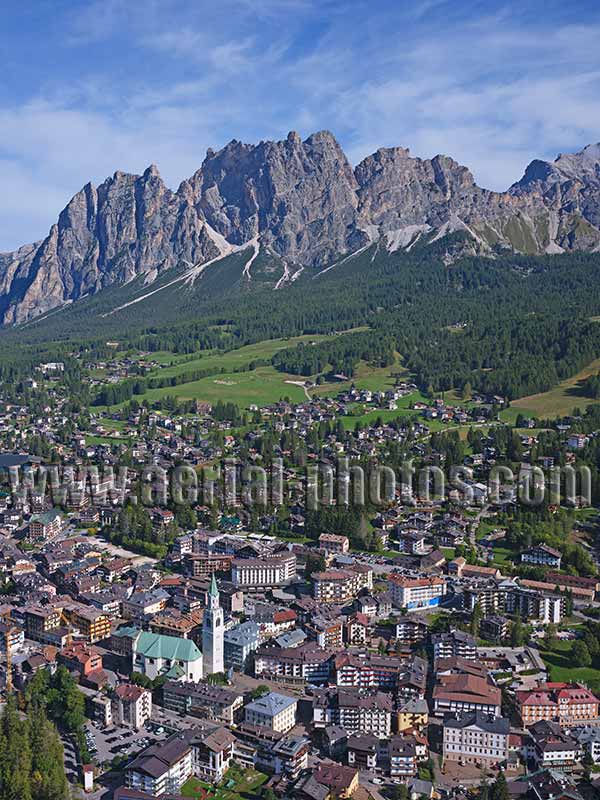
486	722
13	460
159	758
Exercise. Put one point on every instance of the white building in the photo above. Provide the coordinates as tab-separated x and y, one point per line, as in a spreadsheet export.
275	711
162	768
354	710
212	754
589	738
131	705
257	573
476	737
414	593
213	632
155	655
542	554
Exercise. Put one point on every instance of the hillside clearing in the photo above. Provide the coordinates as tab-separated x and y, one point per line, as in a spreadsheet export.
560	400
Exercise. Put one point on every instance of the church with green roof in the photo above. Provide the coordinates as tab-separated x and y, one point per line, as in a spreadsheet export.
157	655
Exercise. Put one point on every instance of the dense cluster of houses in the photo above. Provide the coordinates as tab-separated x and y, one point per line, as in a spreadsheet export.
329	668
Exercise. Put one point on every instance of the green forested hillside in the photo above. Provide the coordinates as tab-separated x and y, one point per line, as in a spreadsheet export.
31	757
513	325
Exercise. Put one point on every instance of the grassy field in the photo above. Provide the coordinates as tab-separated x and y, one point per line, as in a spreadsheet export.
560	666
510	414
239	784
114	424
233	359
404	410
503	557
560	400
263	384
366	377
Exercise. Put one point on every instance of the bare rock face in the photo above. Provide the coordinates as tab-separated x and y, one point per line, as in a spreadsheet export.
130	225
555	207
301	202
298	197
570	184
397	190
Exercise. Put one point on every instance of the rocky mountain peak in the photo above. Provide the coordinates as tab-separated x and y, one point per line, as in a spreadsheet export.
151	172
294	137
301	202
299	197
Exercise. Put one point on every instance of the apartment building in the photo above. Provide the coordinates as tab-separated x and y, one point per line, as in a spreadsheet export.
114	569
355	629
410	631
212	754
551	748
172	622
307	662
369	672
569	704
454	644
131	705
239	643
412	593
335	586
327	633
162	768
202	700
411	542
80	658
542	555
275	711
14	634
274	753
463	693
476	738
363	751
273	620
143	606
402	757
334	544
263	573
203	565
412	714
531	604
91	623
353	710
341	781
494	628
40	621
45	525
341	585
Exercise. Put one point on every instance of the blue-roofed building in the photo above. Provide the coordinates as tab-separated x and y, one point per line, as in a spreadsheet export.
274	711
293	638
239	643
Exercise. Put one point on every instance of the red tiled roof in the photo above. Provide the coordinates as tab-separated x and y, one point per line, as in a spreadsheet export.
284	616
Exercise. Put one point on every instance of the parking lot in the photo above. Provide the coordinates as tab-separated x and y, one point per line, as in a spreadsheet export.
120	740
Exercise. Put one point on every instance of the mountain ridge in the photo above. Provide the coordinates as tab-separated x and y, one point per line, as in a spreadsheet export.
301	204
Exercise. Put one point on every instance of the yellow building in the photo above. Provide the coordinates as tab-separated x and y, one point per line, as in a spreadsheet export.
414	714
91	623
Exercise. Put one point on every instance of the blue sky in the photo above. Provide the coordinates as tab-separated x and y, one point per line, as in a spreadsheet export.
91	87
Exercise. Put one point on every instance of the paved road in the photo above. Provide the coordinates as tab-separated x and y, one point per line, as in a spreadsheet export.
374	789
476	520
